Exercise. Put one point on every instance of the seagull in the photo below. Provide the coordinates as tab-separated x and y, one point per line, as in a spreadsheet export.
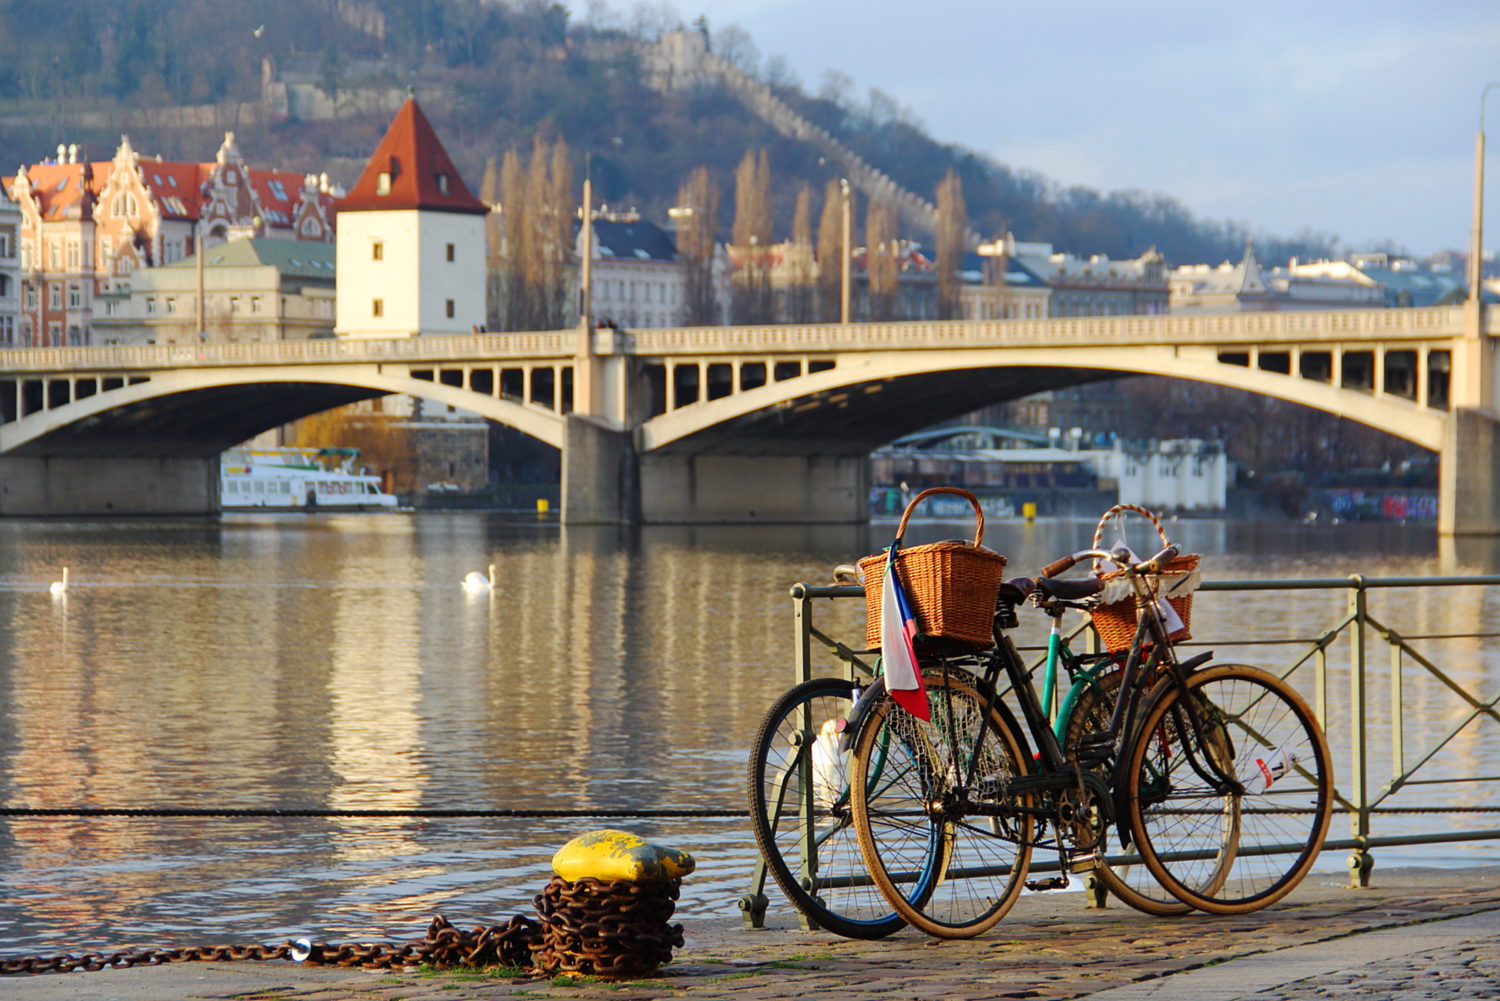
260	31
476	582
60	587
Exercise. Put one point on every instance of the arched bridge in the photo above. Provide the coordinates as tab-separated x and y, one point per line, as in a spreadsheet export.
716	423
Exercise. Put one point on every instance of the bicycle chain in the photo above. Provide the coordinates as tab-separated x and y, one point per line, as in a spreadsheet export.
508	944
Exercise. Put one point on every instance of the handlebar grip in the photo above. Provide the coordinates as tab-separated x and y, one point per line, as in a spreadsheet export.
1059	566
1160	560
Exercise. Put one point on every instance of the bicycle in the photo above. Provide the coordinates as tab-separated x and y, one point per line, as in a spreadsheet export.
1184	748
799	806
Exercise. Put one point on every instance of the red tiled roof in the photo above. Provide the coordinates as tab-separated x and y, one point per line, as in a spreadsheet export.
177	188
415	162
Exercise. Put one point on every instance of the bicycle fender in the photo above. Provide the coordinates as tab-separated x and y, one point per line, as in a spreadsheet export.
856	717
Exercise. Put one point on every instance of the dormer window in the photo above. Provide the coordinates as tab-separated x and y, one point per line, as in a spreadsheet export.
383	183
377	251
442	183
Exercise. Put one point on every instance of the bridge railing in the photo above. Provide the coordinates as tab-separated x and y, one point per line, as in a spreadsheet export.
1412	739
1431	323
115	357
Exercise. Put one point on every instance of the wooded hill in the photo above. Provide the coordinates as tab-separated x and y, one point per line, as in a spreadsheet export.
491	76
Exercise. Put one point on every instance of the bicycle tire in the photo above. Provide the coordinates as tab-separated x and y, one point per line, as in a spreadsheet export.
841	898
952	877
1255	725
1132	883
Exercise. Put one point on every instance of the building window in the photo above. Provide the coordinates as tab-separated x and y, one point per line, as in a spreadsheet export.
31	300
54	335
450	246
383	183
442	184
75	296
171	304
4	286
450	309
377	308
150	306
112	308
255	304
234	304
124	204
55	253
377	251
7	330
54	295
73	254
5	241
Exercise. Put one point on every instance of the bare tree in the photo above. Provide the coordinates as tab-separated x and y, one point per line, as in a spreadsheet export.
697	241
494	248
516	311
882	265
751	298
831	251
952	220
798	268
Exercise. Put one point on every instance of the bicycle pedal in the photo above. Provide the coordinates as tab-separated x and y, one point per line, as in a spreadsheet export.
1053	883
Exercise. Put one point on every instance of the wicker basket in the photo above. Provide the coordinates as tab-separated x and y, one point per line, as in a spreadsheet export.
1116	622
952	586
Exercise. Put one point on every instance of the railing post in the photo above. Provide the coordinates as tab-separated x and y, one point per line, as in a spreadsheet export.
1360	861
1398	696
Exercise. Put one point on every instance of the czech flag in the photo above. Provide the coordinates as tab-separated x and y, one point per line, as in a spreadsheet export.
898	626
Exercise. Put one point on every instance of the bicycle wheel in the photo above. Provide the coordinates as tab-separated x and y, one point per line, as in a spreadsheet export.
1223	849
945	844
1131	882
795	762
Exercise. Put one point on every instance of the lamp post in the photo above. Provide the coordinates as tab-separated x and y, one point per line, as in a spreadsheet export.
586	277
1473	389
847	224
1476	245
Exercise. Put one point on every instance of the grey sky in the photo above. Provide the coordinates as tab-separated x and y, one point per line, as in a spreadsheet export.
1352	118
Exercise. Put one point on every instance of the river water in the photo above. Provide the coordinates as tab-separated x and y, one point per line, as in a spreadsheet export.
333	661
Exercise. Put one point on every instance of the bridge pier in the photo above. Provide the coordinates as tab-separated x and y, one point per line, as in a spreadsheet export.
1469	470
736	489
600	474
81	486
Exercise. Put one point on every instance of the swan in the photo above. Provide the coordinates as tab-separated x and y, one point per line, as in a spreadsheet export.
60	586
475	582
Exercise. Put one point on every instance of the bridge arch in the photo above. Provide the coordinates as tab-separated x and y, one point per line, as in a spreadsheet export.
870	399
200	412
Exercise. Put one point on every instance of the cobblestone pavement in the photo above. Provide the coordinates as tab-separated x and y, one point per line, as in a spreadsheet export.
1418	934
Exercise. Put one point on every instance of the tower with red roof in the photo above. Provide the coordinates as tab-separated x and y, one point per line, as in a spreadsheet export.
410	250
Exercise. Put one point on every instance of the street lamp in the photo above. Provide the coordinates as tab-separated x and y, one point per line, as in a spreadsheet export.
847	224
1476	246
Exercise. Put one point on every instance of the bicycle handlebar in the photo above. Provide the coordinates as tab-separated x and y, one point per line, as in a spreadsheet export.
1120	557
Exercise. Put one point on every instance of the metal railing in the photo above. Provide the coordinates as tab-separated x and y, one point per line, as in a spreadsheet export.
1356	732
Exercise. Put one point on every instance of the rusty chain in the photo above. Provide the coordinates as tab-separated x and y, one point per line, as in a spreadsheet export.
508	944
610	929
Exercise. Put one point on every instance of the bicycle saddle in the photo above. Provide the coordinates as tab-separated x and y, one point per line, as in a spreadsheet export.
1069	590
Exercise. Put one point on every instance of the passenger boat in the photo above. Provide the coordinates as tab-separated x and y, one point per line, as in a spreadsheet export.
298	479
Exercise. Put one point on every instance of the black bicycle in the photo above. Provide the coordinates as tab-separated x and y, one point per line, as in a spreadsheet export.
1215	778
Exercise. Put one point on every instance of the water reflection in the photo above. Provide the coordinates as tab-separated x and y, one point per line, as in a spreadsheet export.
334	661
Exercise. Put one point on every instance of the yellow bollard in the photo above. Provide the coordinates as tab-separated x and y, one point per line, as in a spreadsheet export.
1028	510
623	887
542	506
